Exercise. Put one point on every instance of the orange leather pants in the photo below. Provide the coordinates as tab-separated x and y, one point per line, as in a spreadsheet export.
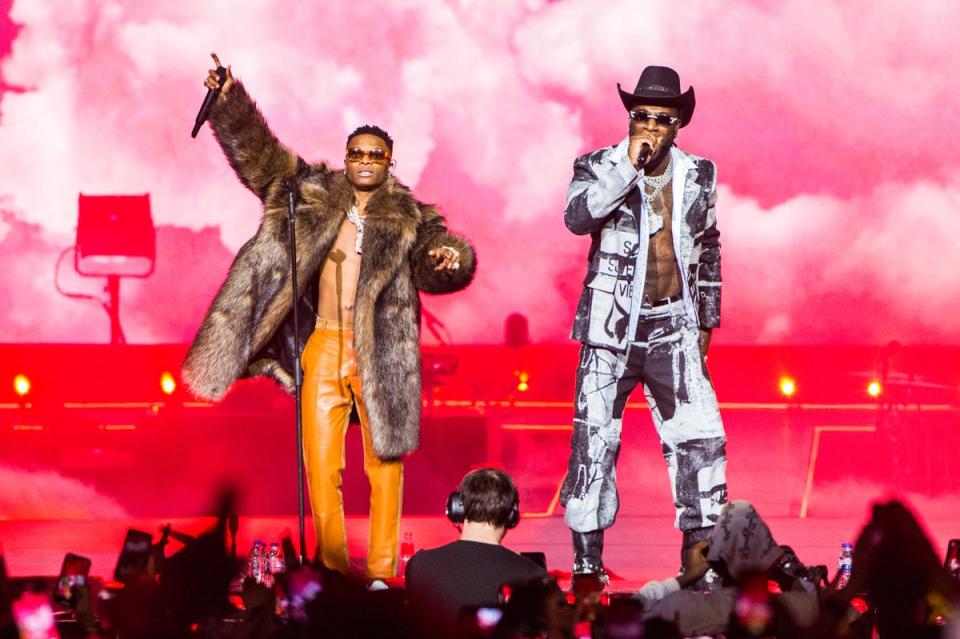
331	386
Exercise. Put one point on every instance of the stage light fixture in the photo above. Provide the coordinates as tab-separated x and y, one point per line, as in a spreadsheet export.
523	381
874	389
167	383
788	386
21	385
115	238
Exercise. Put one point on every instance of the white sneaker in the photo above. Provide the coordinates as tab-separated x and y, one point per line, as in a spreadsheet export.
377	584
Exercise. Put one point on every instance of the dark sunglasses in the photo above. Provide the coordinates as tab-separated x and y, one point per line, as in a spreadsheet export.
377	156
663	119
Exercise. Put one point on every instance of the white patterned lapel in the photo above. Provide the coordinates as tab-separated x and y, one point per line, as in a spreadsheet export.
685	192
613	156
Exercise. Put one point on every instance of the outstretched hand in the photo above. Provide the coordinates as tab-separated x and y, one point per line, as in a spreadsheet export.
213	80
447	258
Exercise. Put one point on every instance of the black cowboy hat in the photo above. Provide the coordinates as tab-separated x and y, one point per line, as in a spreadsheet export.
660	86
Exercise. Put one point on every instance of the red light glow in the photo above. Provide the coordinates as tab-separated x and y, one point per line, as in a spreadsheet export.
21	385
523	379
167	383
788	387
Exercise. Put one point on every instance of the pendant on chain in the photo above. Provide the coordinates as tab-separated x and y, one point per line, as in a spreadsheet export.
354	216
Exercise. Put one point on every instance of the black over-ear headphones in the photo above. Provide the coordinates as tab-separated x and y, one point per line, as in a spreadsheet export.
457	512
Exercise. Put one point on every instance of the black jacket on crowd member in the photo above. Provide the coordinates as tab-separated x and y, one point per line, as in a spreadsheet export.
442	581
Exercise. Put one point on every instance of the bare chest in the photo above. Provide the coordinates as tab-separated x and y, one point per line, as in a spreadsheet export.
339	275
346	243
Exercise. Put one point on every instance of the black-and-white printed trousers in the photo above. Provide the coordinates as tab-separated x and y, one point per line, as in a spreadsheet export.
666	359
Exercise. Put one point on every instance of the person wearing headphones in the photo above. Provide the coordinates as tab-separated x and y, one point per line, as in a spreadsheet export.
469	572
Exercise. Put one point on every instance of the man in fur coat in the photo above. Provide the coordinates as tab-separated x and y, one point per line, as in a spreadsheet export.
365	249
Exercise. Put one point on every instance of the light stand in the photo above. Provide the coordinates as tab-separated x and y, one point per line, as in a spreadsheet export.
115	238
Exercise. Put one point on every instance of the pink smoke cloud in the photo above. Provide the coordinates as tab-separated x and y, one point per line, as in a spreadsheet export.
45	494
820	269
829	124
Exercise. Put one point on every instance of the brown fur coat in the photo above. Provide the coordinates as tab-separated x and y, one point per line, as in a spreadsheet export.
247	330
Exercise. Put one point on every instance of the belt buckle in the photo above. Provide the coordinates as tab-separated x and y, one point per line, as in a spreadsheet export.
664	301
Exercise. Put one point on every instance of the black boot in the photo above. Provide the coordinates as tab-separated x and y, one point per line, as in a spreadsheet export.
790	573
588	573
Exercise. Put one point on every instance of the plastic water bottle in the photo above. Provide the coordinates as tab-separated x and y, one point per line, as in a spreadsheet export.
844	565
269	577
953	559
406	551
275	562
256	562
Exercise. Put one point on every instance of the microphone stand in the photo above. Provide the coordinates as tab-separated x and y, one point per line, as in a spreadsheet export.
298	373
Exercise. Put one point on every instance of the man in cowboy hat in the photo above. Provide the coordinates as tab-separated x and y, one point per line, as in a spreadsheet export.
650	300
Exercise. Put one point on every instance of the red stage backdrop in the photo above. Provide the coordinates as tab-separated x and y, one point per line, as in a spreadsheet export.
831	123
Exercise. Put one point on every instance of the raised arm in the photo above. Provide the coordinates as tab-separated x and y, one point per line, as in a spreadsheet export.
253	151
441	261
601	181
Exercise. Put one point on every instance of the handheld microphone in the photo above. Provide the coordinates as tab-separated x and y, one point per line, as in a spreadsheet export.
208	102
644	154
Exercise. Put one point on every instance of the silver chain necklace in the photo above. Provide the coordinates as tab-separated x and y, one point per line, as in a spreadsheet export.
657	182
354	216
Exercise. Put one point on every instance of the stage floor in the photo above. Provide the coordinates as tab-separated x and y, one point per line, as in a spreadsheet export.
74	475
637	549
